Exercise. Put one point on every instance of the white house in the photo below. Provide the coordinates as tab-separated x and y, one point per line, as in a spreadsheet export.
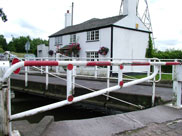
125	36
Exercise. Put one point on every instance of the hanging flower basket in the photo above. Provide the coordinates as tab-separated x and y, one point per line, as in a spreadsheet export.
103	51
70	50
74	48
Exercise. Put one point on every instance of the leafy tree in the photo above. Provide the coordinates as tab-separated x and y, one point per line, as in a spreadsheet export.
2	15
149	50
35	42
1	50
3	43
10	47
18	44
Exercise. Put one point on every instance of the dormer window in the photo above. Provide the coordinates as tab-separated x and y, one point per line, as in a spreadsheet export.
93	35
73	38
58	40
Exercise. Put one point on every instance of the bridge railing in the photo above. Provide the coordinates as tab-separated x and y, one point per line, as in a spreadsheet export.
6	71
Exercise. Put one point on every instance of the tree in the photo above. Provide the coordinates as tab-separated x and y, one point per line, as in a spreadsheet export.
2	15
3	43
149	50
35	42
18	44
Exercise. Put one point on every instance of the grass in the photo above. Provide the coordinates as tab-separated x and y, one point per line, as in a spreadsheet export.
163	77
20	55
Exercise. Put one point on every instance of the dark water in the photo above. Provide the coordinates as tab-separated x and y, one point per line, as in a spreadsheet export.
23	102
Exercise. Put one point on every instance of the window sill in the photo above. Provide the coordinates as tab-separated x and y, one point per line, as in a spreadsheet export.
58	44
93	41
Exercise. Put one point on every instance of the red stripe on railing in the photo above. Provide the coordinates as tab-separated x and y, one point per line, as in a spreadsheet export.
100	63
41	63
172	63
140	64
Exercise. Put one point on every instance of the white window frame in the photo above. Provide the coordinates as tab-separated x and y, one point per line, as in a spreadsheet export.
73	38
93	35
92	55
58	40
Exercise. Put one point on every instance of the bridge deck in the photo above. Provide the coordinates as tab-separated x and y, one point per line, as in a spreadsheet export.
164	93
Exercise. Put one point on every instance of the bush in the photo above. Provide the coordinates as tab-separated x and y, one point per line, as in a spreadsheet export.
168	54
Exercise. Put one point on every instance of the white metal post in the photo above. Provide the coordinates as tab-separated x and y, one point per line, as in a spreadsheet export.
74	75
120	75
108	76
41	67
69	93
108	80
153	89
47	76
149	68
96	71
57	67
26	76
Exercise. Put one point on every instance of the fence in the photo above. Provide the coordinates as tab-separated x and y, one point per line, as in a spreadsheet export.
6	71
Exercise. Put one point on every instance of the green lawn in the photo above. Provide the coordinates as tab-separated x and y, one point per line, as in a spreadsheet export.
20	55
164	76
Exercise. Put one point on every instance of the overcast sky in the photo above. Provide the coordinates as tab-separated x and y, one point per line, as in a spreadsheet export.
41	18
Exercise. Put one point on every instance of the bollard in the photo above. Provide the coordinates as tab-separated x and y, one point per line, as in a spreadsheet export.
5	102
177	81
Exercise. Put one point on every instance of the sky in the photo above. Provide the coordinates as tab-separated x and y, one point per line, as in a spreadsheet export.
41	18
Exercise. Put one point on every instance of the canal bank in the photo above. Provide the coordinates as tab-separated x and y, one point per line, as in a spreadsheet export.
114	125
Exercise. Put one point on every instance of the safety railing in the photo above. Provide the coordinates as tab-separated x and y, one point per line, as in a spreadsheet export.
6	71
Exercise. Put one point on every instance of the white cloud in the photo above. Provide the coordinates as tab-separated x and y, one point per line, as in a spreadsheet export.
41	18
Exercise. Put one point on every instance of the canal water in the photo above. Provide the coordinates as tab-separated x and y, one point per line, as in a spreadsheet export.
23	102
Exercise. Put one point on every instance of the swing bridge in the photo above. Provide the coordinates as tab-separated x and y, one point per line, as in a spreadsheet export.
6	71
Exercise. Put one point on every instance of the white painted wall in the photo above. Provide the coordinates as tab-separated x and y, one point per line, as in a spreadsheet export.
42	50
52	44
130	22
129	44
105	40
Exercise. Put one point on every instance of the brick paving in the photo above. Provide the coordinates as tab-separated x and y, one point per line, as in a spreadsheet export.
172	128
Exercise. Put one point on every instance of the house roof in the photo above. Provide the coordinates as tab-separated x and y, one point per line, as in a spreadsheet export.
90	24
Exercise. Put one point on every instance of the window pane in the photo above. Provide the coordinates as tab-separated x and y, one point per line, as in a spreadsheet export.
91	56
88	36
97	35
92	35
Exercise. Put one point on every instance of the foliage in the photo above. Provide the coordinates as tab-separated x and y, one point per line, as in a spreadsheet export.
2	15
18	44
35	42
103	50
1	50
72	49
3	43
149	50
168	54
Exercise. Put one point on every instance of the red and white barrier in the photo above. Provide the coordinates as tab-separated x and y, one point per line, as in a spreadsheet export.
70	65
